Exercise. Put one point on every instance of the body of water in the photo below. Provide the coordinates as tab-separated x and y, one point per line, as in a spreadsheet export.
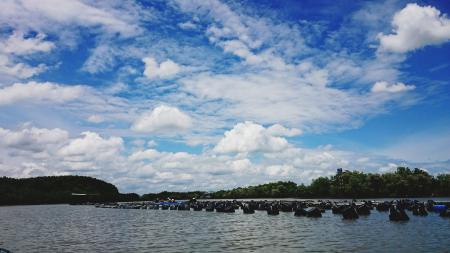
64	228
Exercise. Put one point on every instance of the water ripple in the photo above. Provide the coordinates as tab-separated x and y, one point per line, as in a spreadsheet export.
63	228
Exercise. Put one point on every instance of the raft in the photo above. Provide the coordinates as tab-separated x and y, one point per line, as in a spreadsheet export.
169	203
439	208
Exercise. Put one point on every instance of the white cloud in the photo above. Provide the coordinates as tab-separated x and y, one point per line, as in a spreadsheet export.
34	91
188	25
279	130
164	70
31	151
100	60
17	44
29	14
390	167
96	118
148	154
291	98
245	36
64	25
152	143
383	86
272	84
163	119
11	68
91	146
250	137
32	139
416	27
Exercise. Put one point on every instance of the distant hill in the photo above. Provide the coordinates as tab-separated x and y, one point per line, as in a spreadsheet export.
58	189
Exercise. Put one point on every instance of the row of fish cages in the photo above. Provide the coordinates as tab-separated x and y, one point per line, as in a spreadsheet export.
349	210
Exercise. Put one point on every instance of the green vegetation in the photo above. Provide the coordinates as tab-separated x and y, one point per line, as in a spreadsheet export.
404	182
58	189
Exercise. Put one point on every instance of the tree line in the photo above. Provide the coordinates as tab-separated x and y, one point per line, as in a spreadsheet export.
404	182
57	190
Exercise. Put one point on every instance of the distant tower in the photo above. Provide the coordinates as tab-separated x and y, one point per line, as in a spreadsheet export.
340	182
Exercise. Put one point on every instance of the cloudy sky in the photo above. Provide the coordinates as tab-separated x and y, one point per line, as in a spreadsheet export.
208	94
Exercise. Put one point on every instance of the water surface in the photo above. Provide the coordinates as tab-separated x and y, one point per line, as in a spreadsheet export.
64	228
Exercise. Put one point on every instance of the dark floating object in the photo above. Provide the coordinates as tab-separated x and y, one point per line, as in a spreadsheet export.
383	207
197	207
419	210
313	212
300	212
286	207
350	213
397	214
273	210
304	208
363	210
184	208
225	208
247	209
339	209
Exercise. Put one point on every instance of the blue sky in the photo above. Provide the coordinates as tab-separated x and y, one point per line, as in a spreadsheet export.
186	94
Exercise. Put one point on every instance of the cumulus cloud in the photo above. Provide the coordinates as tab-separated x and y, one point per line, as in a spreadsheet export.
250	137
163	70
415	27
162	119
383	86
31	151
32	139
35	91
91	146
269	82
148	154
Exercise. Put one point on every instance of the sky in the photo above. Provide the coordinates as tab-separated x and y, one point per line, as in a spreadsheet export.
185	95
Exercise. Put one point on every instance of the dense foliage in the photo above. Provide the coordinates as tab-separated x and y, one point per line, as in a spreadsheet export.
404	182
57	189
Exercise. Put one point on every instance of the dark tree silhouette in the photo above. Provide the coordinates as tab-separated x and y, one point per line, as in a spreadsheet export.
404	182
58	189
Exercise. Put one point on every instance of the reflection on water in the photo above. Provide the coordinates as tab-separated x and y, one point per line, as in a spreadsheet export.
64	228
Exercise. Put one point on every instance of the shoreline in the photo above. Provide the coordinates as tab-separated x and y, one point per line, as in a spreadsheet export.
343	200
